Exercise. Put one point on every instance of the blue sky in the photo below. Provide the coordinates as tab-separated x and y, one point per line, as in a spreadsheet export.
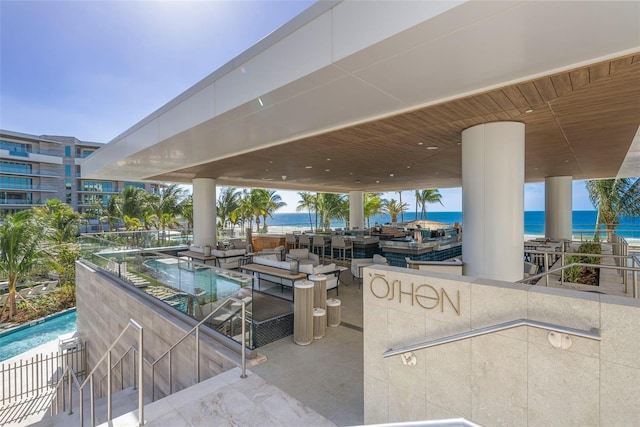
92	69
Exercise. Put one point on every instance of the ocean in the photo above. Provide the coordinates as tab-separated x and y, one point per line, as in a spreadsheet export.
583	222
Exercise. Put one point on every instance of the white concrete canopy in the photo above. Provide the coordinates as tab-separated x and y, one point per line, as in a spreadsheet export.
363	88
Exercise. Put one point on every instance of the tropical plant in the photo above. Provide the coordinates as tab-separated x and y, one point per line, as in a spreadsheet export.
60	219
308	201
227	205
373	205
401	204
394	208
614	198
165	207
186	210
426	196
20	250
132	201
332	206
272	202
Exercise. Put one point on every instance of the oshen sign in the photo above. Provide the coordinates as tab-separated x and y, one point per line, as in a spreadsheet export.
425	296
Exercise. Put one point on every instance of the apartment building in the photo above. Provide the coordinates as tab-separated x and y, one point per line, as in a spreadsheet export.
36	168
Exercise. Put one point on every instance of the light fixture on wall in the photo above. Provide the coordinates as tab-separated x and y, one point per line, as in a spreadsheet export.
559	340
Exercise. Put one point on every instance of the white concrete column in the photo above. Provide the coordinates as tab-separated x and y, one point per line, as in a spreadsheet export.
204	213
558	208
493	200
356	209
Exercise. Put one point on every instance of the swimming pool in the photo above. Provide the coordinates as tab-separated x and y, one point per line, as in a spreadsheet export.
33	334
215	286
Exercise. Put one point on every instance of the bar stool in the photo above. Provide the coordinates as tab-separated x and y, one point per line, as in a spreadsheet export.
304	241
318	243
290	241
342	246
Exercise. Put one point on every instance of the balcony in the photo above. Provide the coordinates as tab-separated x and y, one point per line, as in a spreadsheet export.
27	187
22	172
39	157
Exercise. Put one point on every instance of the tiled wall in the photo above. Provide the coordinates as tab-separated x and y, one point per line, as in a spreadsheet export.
511	378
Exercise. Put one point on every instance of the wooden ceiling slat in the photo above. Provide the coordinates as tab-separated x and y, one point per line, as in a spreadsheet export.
531	94
488	103
516	98
621	64
579	78
501	99
546	89
561	83
636	59
598	71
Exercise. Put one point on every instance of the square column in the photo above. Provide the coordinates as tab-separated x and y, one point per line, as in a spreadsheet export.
493	200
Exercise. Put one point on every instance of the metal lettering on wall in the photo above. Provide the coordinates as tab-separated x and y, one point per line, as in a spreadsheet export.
425	296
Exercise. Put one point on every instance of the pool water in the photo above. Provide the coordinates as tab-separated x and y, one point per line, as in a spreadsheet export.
215	287
36	333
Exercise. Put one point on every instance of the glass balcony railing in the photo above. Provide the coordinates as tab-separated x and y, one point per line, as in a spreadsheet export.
194	289
26	171
33	187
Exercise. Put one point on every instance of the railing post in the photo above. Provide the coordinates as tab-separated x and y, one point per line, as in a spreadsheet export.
109	386
70	384
244	341
546	269
198	355
140	379
170	375
92	402
81	397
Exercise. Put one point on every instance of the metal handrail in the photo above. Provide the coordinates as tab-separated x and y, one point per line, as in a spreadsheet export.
89	379
546	274
593	334
196	328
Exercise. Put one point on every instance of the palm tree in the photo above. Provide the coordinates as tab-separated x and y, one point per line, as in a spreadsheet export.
132	201
401	204
227	203
20	250
165	207
372	206
111	212
307	201
332	206
272	202
426	196
614	198
60	218
186	210
394	208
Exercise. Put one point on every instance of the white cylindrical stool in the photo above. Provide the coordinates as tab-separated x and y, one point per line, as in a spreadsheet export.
303	312
319	322
319	290
333	312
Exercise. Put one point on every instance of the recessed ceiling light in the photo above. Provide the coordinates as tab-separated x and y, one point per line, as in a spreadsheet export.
566	161
408	167
327	170
529	111
432	147
459	143
266	170
377	181
308	167
391	175
328	159
260	102
271	161
420	143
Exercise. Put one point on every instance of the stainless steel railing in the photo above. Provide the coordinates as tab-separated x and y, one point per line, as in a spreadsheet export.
69	374
593	334
152	365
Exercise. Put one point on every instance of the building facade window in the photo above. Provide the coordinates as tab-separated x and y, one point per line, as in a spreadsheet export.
15	167
67	170
101	186
68	183
15	147
67	151
69	198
